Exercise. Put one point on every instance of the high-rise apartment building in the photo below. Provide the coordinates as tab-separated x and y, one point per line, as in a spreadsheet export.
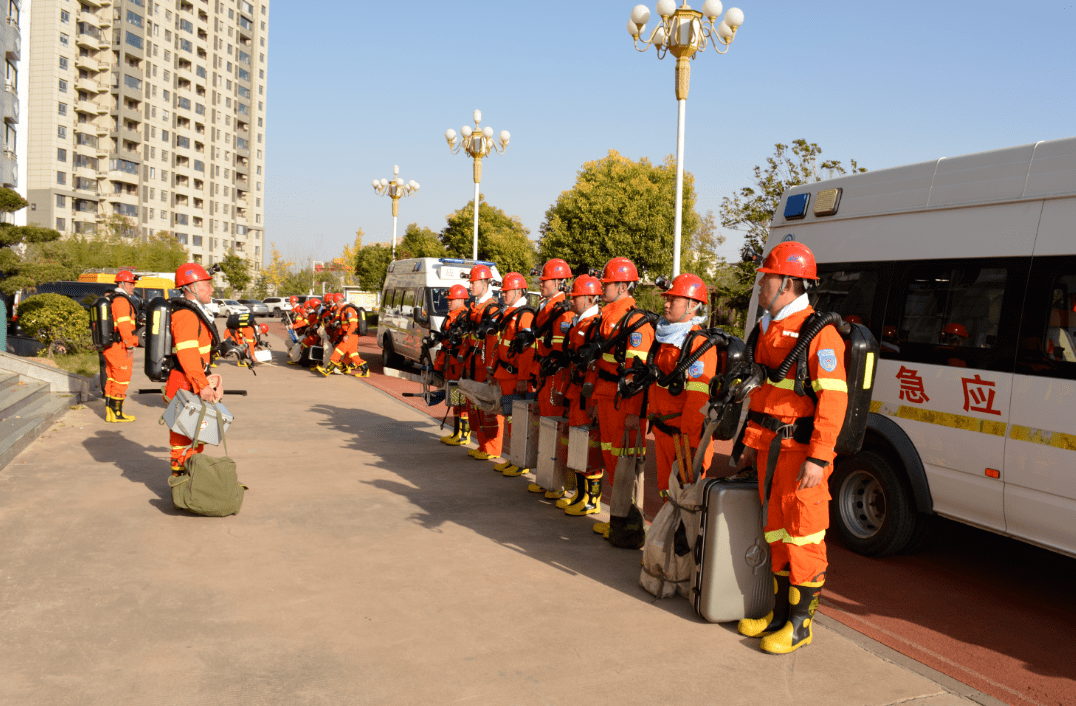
154	111
11	43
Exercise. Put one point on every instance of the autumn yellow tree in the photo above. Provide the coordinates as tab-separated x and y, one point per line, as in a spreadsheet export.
277	270
347	259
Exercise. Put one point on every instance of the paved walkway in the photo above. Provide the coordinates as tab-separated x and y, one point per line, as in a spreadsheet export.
370	565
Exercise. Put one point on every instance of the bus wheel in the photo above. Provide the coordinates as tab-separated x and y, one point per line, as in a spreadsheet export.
871	509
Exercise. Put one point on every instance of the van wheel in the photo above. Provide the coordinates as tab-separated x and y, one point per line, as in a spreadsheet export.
871	510
140	334
389	357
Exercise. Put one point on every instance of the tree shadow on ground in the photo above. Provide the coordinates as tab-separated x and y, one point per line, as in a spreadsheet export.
137	463
449	487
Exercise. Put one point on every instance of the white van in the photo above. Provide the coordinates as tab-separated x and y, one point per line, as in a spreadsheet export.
965	271
414	301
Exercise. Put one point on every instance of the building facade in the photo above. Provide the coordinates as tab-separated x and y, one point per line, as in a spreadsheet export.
153	111
11	42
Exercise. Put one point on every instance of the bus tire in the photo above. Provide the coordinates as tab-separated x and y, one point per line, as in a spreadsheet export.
872	509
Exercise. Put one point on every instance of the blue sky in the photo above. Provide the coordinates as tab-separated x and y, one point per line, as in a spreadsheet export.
882	83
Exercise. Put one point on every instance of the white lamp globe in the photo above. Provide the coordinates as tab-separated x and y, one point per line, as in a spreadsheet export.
640	14
376	183
659	37
734	17
416	185
724	31
395	169
478	116
450	135
399	182
487	131
711	9
633	29
384	183
465	131
666	8
504	137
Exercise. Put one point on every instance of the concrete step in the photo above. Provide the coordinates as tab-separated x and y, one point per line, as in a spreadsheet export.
19	431
16	398
7	380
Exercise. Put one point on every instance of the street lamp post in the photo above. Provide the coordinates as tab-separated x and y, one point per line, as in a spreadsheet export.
478	143
683	32
396	189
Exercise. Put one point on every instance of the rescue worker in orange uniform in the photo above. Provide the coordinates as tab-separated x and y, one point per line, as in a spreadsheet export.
551	324
119	357
313	310
674	410
484	311
343	328
297	324
801	432
625	333
514	352
193	336
449	363
585	294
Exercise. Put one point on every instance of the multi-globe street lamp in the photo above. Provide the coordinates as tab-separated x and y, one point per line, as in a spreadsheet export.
683	32
478	143
396	189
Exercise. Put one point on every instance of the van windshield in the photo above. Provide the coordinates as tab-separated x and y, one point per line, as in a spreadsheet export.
439	301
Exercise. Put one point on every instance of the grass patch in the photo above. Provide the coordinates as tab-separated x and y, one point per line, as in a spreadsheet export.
80	363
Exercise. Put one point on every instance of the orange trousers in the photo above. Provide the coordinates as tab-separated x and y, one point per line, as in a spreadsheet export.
611	432
179	445
489	427
347	352
666	458
119	362
797	520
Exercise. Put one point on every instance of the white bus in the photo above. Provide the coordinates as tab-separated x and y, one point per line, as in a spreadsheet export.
965	271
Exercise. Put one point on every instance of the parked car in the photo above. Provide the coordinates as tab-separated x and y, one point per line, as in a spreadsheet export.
231	306
277	305
213	307
258	308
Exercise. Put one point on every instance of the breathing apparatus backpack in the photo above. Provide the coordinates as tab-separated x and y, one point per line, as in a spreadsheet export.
102	327
159	358
238	320
860	355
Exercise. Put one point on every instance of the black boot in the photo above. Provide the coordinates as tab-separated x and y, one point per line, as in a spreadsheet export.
627	532
776	618
589	501
803	602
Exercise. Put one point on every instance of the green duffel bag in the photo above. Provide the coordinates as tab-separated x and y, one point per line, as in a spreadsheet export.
210	486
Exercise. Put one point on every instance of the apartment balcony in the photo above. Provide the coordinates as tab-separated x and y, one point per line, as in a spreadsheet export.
91	18
89	41
97	3
86	172
90	85
131	136
12	40
122	176
85	216
87	64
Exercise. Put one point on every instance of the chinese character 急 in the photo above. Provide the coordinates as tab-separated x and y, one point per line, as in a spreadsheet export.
911	386
979	395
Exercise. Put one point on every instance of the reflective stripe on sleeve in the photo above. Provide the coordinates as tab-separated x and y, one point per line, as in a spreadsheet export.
184	345
697	387
782	535
831	384
123	319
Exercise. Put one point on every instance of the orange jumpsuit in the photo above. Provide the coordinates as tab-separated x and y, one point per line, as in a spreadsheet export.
606	376
346	351
119	357
447	363
548	345
797	519
574	338
486	425
679	413
192	345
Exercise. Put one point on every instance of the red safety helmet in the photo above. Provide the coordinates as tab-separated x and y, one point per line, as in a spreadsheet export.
293	300
586	285
620	269
313	304
480	272
688	285
190	273
264	328
458	291
126	276
955	330
556	269
790	259
513	280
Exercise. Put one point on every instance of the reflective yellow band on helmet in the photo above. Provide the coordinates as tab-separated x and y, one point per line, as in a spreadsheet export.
184	346
697	387
782	535
831	384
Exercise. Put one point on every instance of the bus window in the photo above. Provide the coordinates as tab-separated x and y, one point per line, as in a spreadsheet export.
1059	343
849	293
438	301
953	307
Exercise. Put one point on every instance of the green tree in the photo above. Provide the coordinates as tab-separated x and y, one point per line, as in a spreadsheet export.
57	321
236	271
421	242
18	272
619	207
501	238
261	286
276	273
701	257
371	266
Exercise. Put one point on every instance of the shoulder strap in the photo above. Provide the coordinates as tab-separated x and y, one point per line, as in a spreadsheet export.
183	303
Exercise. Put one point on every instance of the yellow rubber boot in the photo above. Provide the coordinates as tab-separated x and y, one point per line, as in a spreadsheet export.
502	466
797	632
454	436
464	435
601	528
512	471
776	618
326	371
566	498
587	502
114	411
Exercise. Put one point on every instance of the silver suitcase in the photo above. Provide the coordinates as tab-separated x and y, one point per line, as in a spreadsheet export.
552	471
523	451
578	448
732	576
183	412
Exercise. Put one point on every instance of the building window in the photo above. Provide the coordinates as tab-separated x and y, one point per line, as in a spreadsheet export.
182	238
60	224
64	39
134	40
244	57
61	155
61	201
185	45
164	135
185	103
196	241
199	166
134	19
132	82
63	63
65	16
186	26
61	132
62	108
165	94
